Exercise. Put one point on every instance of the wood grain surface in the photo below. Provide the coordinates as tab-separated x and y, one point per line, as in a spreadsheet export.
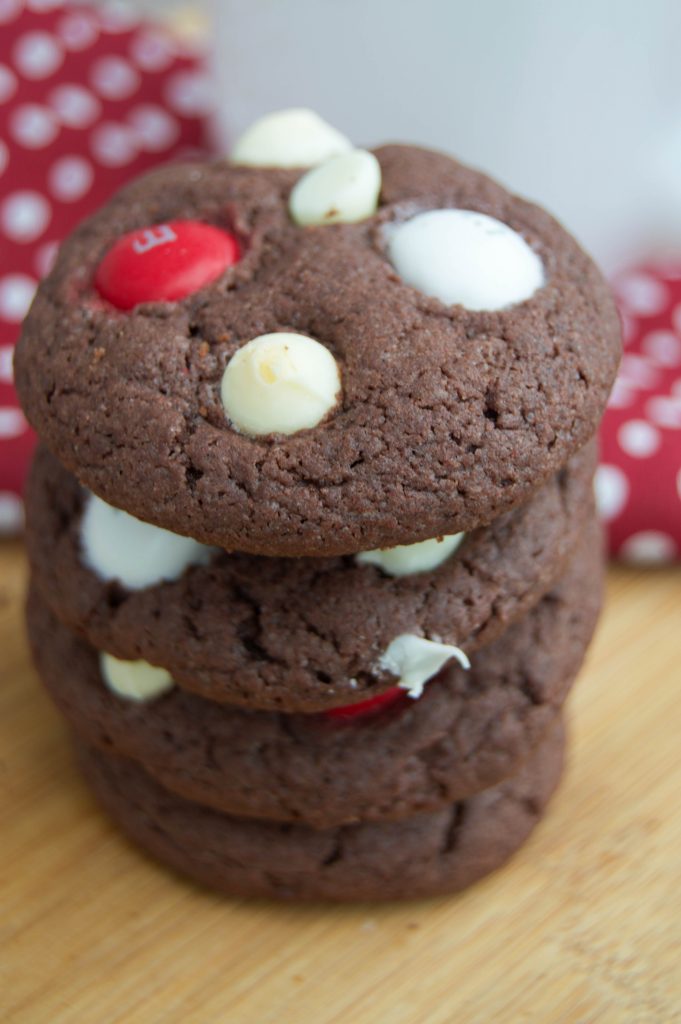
583	926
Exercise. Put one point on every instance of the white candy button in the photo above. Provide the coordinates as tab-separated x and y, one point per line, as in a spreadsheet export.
279	384
343	190
115	545
134	680
415	660
466	258
289	138
406	559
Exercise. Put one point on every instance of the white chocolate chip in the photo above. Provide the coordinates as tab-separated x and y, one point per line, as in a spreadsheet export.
134	680
466	258
289	138
279	384
406	559
343	190
115	545
415	660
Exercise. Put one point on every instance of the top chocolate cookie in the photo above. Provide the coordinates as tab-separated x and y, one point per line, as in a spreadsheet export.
382	349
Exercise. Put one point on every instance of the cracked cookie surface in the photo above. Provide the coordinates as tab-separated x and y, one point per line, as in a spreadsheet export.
302	634
424	855
467	732
448	417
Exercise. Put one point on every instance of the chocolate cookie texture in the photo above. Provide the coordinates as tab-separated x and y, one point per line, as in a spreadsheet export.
301	634
314	556
446	417
469	731
425	855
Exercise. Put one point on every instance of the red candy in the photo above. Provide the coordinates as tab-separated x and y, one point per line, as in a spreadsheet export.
368	707
164	262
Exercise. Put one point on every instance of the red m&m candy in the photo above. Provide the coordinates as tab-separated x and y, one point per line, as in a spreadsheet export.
368	707
164	262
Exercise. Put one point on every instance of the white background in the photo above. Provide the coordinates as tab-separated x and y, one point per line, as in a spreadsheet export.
576	104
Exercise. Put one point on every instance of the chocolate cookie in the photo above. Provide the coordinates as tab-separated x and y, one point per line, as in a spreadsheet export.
301	634
425	855
468	731
430	418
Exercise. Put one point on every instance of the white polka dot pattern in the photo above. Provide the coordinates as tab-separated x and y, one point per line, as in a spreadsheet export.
612	491
16	295
637	371
649	547
9	10
665	411
24	216
641	293
83	94
155	129
663	347
37	55
639	484
112	144
6	372
70	177
114	78
638	439
189	93
12	423
78	30
152	51
74	105
11	512
622	395
33	126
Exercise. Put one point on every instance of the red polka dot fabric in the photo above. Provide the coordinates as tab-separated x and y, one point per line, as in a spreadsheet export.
88	100
638	483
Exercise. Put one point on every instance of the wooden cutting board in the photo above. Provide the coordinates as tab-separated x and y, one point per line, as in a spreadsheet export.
583	926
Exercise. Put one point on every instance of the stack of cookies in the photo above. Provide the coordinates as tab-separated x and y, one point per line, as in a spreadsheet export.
313	546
